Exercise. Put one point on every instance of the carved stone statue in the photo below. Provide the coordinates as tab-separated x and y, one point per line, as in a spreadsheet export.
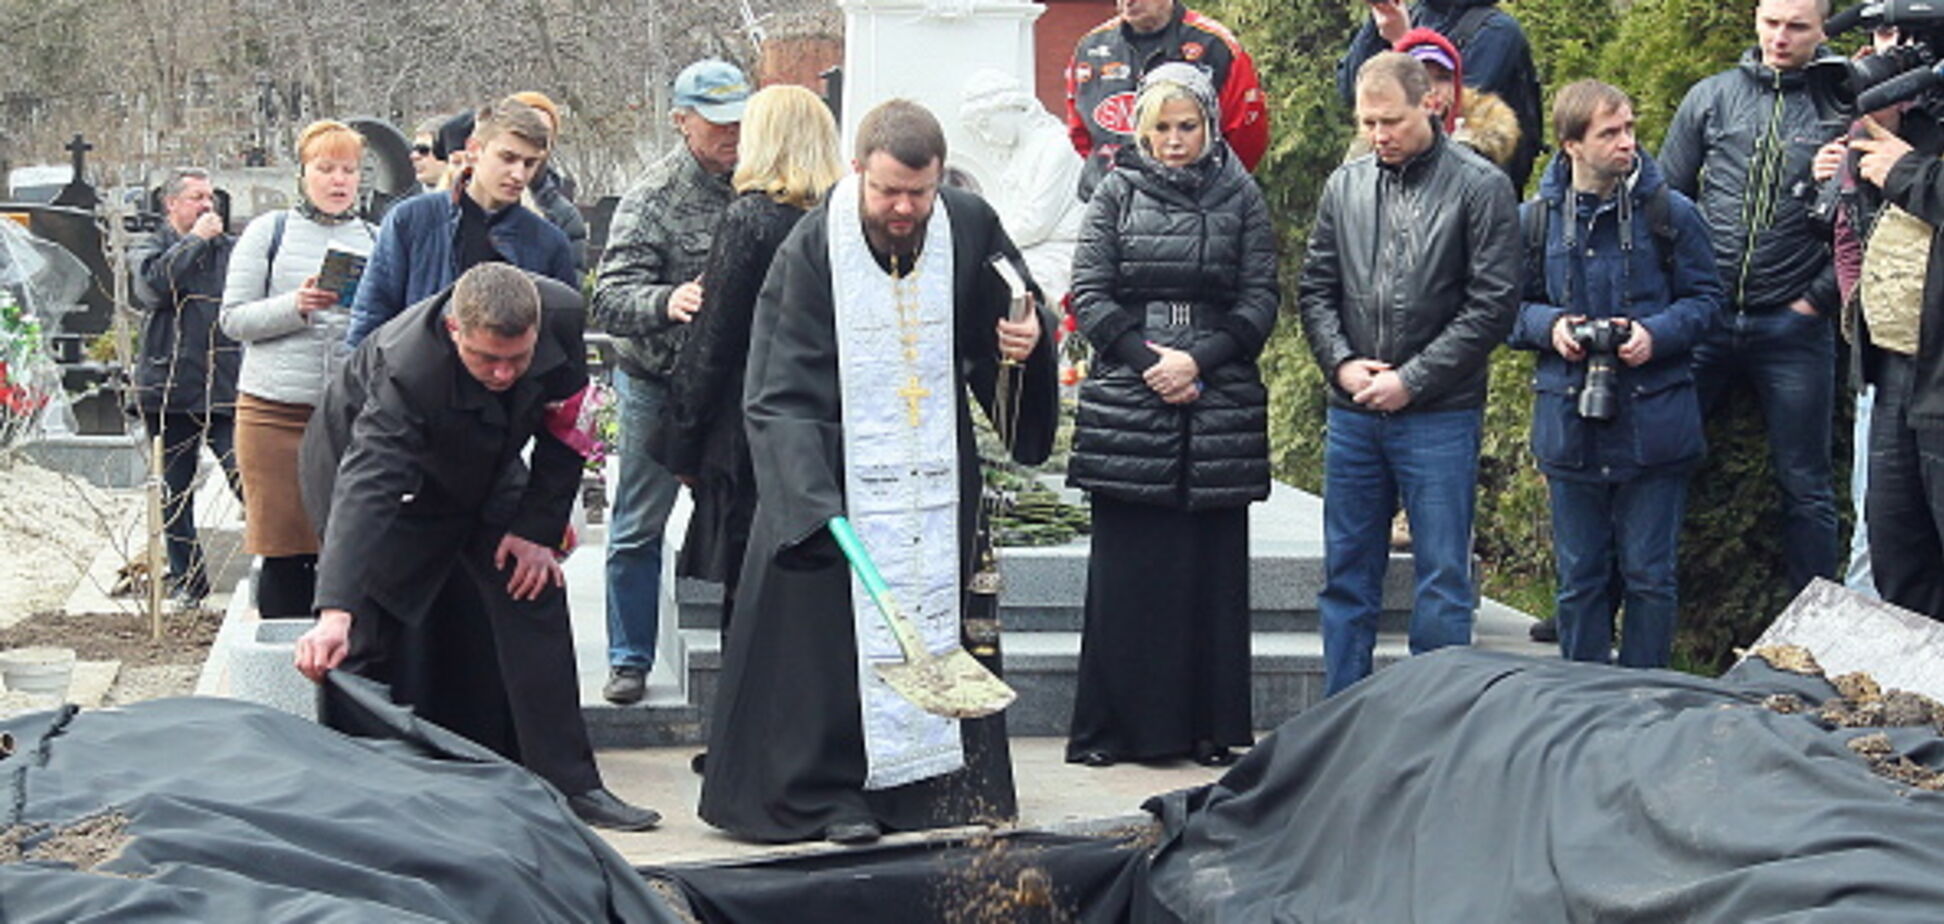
1033	174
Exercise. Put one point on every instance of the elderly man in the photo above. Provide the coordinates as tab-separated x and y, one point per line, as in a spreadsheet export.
186	384
648	289
437	574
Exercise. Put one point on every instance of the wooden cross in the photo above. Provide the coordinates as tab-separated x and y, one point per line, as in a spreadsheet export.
913	392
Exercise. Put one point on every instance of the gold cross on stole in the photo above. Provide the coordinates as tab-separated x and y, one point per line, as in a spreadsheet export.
913	392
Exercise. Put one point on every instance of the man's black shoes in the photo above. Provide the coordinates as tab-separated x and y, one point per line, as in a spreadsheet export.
1545	630
626	685
603	809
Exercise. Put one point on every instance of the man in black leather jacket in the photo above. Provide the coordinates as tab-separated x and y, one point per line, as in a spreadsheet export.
1740	146
1412	278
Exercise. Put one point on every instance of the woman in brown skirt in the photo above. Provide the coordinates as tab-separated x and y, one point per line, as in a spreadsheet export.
290	326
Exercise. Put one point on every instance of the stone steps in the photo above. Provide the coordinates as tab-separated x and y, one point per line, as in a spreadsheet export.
1040	609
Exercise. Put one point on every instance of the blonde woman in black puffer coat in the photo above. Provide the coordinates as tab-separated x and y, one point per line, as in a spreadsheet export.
1174	282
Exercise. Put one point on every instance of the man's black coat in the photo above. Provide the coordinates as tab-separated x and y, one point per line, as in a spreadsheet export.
409	458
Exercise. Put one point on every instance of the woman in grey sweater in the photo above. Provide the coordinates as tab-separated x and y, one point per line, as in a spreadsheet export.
290	327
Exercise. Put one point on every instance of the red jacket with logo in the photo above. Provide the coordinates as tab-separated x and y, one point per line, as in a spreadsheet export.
1103	77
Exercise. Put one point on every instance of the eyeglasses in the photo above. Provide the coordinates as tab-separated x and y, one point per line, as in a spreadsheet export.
422	149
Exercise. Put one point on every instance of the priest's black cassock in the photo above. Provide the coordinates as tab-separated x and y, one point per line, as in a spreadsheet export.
786	751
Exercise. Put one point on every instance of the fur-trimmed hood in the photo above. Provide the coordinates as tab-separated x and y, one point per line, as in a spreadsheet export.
1488	125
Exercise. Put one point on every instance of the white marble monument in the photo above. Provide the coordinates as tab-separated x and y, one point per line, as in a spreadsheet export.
1033	173
927	51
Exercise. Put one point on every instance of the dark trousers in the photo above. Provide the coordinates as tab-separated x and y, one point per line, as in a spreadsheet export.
499	671
1905	505
1615	543
183	435
286	585
1790	359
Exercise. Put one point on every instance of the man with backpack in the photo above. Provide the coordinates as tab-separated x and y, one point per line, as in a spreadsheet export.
1620	286
1497	58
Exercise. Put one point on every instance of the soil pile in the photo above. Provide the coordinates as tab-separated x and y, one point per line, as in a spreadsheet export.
51	526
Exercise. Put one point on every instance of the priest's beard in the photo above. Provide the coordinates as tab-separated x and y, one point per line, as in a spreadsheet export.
887	242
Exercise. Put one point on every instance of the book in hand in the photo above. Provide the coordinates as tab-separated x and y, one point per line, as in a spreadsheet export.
340	273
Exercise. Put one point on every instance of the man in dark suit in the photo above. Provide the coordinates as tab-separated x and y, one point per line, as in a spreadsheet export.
437	575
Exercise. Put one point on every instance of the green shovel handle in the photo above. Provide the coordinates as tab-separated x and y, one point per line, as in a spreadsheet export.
860	561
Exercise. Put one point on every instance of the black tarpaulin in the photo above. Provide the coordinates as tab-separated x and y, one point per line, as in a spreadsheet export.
236	812
1019	877
1468	786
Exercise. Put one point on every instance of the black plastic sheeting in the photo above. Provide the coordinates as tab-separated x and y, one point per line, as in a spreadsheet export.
1462	786
1012	878
237	812
1470	786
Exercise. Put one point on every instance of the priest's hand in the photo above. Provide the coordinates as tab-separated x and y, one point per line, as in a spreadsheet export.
323	647
534	567
1017	338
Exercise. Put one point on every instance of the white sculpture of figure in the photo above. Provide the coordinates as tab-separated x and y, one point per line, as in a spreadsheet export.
1033	177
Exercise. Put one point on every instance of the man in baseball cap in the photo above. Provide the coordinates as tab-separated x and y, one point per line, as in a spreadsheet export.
646	291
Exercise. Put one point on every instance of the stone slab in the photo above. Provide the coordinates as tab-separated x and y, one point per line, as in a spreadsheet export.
105	461
1848	631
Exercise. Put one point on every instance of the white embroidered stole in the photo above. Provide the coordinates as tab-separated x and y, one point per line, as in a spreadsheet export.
894	350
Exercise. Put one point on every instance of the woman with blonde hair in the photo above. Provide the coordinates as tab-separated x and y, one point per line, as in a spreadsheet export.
787	159
290	325
1174	283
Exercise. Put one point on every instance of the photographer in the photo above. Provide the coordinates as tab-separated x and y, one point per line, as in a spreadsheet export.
1620	284
1900	334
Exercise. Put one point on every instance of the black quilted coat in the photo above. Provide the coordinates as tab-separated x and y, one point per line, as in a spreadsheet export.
1198	235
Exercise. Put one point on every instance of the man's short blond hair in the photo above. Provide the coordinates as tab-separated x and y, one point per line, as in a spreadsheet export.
1398	68
509	116
495	297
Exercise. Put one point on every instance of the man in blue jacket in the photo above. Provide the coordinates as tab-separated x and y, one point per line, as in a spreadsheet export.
1620	286
429	240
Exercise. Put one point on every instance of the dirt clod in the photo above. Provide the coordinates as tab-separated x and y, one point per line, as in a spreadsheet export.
1876	745
1784	703
85	844
1902	707
1857	686
1792	658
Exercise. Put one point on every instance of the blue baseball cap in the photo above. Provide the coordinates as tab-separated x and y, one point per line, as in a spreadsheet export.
714	88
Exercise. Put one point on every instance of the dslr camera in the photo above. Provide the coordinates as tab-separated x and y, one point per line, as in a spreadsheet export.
1601	339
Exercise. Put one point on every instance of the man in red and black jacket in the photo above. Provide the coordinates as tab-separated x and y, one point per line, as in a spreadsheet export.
1108	63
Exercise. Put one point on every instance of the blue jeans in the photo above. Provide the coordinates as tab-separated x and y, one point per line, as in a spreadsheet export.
644	492
1634	526
1369	461
1790	359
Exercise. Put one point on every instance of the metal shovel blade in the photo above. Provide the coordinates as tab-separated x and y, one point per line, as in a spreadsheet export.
954	684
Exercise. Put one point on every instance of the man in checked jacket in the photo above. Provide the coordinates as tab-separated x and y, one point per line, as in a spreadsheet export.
648	289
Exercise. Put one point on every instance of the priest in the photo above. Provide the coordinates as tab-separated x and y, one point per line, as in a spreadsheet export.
881	322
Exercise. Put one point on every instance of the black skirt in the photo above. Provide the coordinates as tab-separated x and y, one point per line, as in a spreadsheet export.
1164	661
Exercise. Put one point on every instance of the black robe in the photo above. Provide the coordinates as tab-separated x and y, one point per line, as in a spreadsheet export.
786	744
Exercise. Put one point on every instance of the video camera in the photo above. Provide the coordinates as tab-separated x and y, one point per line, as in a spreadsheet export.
1903	72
